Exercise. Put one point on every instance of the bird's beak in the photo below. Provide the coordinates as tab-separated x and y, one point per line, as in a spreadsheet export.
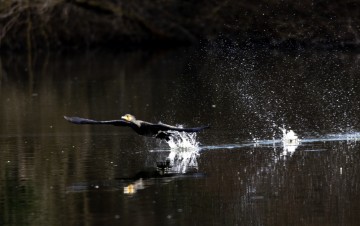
126	117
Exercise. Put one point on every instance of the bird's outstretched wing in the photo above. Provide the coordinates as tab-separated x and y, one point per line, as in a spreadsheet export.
77	120
164	127
164	131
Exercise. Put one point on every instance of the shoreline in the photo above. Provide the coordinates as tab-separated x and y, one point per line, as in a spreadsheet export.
91	24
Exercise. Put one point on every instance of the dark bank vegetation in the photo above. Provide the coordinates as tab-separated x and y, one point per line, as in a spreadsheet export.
53	24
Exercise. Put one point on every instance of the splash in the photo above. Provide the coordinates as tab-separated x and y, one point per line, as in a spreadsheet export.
183	140
184	150
289	137
290	141
183	160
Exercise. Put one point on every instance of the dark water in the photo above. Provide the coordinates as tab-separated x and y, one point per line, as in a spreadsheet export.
56	173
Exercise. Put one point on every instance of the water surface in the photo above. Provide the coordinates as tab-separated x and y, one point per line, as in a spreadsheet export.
239	173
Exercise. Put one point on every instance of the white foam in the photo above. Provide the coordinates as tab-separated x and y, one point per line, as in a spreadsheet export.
184	150
182	140
289	138
183	159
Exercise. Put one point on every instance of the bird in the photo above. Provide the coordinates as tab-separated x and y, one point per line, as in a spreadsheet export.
157	130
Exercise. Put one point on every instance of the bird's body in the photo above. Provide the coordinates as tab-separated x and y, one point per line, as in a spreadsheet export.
158	130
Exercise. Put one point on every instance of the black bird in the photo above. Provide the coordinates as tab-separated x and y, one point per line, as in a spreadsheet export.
159	130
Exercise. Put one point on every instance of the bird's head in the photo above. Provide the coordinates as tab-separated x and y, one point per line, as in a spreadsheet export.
129	118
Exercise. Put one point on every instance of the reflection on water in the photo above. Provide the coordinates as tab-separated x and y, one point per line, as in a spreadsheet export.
133	187
177	161
184	149
53	173
183	160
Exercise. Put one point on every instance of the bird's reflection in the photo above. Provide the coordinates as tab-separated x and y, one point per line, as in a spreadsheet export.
162	166
170	164
134	186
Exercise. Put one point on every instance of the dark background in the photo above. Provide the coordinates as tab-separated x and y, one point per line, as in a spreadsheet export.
60	24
